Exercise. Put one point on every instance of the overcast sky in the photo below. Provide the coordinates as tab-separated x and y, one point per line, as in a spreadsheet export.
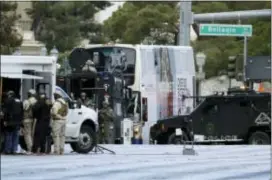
105	14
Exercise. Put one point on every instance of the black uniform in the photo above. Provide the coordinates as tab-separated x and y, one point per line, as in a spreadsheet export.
13	116
41	112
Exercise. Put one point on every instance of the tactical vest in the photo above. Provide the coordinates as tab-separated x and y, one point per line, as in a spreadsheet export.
106	114
28	114
63	111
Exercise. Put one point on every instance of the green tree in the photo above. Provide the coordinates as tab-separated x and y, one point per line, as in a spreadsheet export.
64	24
136	21
9	37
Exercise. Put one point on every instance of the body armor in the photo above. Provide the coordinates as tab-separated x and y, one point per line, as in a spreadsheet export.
63	111
28	112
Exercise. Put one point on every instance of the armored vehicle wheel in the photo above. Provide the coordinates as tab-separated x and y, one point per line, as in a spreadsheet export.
259	137
86	140
173	139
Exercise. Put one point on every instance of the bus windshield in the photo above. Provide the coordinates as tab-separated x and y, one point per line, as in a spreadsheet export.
109	58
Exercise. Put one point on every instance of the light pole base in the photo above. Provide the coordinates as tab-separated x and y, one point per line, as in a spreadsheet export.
189	151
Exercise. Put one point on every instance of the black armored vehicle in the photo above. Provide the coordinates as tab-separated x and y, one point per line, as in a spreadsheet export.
240	116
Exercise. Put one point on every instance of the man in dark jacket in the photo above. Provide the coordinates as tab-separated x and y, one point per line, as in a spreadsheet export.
13	116
41	112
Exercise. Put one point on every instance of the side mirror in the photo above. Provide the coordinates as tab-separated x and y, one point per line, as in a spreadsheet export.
70	104
78	104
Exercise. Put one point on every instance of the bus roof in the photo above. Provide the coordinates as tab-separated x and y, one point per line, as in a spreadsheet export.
133	46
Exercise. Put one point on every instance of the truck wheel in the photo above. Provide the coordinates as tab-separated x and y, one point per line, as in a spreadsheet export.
173	139
259	137
86	140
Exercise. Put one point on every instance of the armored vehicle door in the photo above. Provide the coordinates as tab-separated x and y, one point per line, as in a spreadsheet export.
211	124
206	121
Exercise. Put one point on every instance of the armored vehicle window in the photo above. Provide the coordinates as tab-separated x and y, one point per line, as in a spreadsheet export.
210	109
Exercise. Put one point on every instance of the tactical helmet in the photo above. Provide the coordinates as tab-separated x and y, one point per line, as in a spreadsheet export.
10	93
31	92
58	93
42	96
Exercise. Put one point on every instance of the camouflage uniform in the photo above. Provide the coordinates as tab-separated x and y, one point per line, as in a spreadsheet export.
28	120
106	117
59	112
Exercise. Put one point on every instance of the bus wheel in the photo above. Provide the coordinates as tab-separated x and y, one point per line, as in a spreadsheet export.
260	138
173	139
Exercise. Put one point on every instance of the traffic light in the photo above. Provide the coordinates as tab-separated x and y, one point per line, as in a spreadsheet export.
232	67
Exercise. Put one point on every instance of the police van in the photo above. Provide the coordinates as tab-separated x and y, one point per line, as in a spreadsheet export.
21	73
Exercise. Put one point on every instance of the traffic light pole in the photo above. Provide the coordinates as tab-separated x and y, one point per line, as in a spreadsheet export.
245	60
233	15
247	82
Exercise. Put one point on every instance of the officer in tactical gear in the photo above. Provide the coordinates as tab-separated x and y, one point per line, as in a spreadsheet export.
59	112
106	126
85	100
13	116
41	112
28	119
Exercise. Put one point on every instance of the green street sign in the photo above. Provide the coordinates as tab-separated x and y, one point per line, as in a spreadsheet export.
225	30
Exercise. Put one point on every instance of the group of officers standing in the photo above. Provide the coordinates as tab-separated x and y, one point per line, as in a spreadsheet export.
37	118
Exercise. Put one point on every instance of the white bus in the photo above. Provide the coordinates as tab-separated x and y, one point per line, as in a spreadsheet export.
158	76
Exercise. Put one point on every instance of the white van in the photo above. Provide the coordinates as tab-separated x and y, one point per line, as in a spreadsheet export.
21	73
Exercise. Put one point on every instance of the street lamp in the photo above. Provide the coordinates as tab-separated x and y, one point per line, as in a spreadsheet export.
200	59
17	52
43	51
54	52
200	62
200	75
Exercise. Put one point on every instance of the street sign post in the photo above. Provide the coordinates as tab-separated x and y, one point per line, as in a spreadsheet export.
236	30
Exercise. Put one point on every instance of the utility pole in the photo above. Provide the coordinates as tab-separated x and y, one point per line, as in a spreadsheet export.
186	19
